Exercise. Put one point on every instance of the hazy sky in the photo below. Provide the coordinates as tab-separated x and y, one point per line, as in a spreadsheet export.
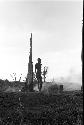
56	28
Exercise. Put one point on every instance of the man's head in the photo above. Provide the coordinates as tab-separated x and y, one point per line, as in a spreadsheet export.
39	60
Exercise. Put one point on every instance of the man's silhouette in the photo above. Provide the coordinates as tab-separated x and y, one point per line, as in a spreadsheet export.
38	73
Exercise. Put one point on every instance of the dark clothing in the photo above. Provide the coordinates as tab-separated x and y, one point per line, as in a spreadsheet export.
38	68
38	75
38	71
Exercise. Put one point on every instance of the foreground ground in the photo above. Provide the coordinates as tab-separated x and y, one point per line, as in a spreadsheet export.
39	109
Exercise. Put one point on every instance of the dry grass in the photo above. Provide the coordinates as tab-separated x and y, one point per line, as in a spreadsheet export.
40	109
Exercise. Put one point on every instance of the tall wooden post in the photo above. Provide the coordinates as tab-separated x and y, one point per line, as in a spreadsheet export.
30	68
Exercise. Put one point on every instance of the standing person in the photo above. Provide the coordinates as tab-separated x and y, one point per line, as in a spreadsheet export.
38	73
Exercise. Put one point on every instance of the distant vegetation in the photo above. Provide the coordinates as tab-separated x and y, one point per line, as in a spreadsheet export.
7	85
48	87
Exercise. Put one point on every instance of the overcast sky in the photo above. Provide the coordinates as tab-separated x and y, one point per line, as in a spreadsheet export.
56	28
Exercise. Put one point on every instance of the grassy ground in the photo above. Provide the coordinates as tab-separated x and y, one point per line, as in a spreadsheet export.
37	108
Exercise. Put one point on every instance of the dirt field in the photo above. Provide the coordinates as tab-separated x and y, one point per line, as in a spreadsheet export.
36	108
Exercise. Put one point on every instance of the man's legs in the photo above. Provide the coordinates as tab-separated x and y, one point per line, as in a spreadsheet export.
40	83
39	79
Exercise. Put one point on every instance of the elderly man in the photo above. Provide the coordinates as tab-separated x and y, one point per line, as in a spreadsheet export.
38	73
